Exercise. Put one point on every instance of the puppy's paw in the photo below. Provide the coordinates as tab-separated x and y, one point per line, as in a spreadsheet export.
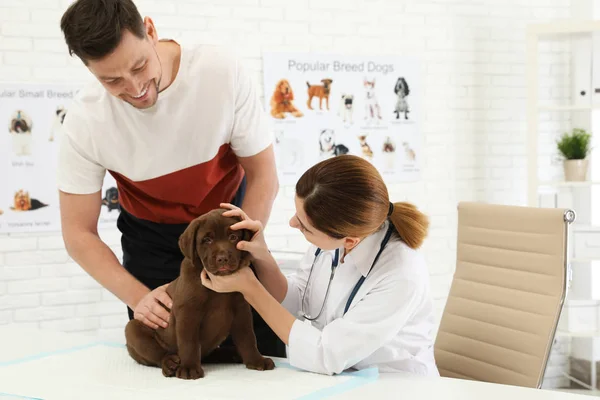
169	365
190	373
262	364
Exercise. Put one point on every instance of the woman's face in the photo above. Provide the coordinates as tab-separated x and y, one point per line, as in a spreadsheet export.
301	222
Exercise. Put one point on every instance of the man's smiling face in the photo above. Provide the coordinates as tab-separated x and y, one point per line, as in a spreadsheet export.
132	72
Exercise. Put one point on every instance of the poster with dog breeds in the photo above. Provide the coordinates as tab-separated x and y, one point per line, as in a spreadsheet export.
326	105
33	116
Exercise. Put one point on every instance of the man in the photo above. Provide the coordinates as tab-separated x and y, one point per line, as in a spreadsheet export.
179	127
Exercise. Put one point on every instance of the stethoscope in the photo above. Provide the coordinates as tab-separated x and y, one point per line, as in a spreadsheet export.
334	264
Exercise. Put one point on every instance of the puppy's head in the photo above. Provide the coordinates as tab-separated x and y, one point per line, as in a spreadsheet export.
388	146
402	87
112	194
61	113
283	91
210	243
22	200
327	82
20	123
347	99
326	139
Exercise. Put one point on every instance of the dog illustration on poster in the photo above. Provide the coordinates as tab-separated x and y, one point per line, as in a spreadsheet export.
372	109
328	147
346	107
282	101
409	152
401	89
22	201
367	152
389	153
319	91
289	151
20	128
111	199
57	123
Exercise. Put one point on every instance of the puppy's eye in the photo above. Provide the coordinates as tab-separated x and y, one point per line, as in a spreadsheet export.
233	237
207	240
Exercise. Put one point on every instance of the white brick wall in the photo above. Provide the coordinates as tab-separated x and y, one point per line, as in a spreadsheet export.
473	56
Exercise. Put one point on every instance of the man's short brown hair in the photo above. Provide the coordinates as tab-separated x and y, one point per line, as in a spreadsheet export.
94	28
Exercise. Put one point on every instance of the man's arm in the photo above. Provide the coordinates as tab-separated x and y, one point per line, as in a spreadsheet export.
79	219
262	184
80	177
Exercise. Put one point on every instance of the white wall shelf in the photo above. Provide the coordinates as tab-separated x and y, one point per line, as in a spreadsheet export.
579	105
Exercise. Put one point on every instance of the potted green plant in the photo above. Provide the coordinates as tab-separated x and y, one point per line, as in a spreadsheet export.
574	147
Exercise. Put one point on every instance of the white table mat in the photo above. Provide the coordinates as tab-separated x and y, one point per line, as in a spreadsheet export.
104	370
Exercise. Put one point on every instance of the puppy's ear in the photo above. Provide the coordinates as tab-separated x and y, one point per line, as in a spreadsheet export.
246	235
291	93
187	240
277	94
246	258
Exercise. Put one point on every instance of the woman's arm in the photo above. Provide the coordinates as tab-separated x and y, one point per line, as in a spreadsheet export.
270	309
270	275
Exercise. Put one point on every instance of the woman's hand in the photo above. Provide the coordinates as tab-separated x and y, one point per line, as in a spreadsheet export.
257	246
240	281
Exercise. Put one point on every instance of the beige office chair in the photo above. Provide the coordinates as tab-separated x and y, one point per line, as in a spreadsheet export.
507	294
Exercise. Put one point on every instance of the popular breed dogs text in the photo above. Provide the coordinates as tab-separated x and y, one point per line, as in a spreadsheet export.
201	319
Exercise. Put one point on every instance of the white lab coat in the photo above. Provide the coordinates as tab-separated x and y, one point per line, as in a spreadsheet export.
389	324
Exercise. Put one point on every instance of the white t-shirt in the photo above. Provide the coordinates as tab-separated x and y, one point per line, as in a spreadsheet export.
178	159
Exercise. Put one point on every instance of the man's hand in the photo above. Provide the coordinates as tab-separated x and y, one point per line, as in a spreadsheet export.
151	312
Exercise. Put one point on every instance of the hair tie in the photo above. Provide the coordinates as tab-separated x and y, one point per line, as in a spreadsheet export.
391	209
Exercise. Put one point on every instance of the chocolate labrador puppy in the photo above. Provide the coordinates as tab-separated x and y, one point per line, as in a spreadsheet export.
201	319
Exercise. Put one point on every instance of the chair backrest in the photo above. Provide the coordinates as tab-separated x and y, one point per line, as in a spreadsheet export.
507	293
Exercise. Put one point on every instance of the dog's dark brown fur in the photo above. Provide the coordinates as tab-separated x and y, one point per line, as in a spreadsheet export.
201	319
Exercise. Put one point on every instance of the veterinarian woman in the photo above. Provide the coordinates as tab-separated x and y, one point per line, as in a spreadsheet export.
361	295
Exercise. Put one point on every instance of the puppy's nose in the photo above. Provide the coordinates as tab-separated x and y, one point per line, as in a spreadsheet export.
222	259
